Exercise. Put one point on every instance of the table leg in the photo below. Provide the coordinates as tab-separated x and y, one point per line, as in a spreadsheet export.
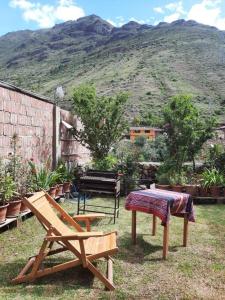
185	231
165	240
134	219
154	224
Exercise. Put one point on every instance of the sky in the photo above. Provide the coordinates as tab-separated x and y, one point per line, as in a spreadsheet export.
35	14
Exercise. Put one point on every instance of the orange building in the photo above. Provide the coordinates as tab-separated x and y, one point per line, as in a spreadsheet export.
148	132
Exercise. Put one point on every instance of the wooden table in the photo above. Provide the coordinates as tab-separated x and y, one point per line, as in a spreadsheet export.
161	204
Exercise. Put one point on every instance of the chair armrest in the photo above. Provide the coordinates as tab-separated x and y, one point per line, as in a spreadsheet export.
76	236
88	217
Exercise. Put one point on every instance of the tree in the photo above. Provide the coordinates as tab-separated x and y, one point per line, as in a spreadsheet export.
187	131
102	117
150	119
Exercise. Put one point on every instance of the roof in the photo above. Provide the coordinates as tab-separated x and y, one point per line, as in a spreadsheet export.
25	92
145	128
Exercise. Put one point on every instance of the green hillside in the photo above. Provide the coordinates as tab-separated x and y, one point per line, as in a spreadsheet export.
150	62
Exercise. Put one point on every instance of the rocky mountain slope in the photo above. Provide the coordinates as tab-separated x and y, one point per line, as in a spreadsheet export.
150	62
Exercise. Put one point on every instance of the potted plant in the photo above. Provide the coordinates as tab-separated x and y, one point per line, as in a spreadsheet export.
191	187
163	181
3	209
213	180
65	177
8	193
44	179
177	181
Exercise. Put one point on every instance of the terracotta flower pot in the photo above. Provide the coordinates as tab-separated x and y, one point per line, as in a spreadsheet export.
66	187
215	191
192	190
204	192
177	188
59	190
52	191
23	207
163	187
13	208
3	211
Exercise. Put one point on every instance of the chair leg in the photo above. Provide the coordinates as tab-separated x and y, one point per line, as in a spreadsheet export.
110	270
45	248
109	285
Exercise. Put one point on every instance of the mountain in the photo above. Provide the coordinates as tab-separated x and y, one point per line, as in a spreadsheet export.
152	63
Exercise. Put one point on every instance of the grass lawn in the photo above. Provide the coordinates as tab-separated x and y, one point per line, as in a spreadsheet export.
195	272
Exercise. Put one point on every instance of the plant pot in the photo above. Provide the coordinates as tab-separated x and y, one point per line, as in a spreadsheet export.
59	190
52	191
192	190
66	187
23	207
215	191
204	192
13	208
163	187
177	188
3	211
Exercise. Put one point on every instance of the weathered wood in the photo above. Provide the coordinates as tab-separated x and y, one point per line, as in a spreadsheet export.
165	240
110	270
154	224
101	277
185	231
134	221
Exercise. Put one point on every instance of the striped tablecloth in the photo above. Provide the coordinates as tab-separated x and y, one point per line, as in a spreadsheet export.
161	203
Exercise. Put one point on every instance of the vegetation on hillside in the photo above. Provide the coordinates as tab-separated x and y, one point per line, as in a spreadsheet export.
151	62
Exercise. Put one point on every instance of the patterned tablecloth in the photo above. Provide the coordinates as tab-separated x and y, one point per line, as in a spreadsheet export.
161	203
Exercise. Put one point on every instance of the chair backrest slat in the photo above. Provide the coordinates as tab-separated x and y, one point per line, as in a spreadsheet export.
49	215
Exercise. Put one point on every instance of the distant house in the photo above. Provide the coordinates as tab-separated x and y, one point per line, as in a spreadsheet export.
148	132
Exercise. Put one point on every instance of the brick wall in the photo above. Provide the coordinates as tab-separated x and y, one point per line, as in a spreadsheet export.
32	120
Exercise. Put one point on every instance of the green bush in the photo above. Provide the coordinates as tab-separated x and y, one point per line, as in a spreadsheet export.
108	163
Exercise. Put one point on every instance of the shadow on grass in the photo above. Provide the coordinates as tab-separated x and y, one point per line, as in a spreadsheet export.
140	252
60	282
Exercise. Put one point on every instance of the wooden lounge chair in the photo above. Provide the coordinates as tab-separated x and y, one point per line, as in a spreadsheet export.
86	246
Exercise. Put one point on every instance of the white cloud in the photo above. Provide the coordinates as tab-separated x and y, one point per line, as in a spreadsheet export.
175	6
111	22
177	11
172	17
172	11
138	21
47	15
208	12
159	10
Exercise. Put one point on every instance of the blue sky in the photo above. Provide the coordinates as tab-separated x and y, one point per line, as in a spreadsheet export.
34	14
